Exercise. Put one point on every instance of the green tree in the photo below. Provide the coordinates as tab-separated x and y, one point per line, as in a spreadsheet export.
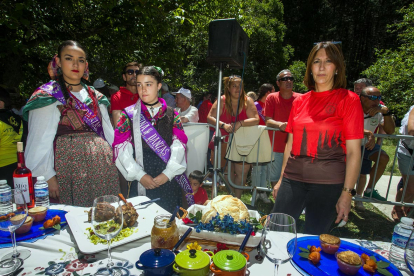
298	69
393	71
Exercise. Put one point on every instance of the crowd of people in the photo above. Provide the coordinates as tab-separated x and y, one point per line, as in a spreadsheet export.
86	144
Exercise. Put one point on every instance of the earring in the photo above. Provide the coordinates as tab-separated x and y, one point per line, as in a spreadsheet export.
311	73
336	73
59	71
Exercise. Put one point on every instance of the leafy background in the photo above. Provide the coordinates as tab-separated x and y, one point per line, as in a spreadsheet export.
377	40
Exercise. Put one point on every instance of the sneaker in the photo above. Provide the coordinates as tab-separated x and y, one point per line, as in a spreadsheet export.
375	195
263	196
359	205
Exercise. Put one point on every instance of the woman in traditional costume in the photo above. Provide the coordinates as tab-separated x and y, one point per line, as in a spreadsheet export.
153	133
70	133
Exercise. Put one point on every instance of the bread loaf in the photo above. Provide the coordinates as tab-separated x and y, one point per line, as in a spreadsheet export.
226	205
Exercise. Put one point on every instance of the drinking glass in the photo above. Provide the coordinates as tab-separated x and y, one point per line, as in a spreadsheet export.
107	220
13	220
278	241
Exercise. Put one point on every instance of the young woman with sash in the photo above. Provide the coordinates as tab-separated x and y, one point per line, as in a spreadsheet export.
70	133
153	133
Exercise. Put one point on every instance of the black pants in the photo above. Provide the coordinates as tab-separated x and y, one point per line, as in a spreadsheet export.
6	173
318	199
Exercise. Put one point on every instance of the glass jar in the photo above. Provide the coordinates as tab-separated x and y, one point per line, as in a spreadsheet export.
164	234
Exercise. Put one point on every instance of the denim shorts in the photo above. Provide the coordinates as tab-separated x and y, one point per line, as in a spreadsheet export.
275	167
404	163
366	162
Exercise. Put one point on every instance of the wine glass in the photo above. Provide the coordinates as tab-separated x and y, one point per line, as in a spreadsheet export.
278	241
107	220
12	219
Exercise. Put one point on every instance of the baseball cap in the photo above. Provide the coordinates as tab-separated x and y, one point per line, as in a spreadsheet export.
99	83
186	93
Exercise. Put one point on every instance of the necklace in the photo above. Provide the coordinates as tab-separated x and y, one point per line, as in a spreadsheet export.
151	109
71	85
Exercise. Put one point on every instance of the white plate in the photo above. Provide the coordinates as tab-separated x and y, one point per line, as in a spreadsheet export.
77	221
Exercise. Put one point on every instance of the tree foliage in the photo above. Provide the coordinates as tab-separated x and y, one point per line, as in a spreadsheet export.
298	69
393	71
359	24
169	34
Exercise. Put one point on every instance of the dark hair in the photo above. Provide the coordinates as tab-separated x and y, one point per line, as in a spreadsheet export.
266	87
334	52
5	97
150	71
134	63
197	175
60	79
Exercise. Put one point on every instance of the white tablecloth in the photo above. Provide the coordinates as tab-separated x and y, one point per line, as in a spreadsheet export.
59	255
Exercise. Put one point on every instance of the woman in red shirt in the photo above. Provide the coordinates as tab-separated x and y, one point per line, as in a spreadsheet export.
323	151
247	116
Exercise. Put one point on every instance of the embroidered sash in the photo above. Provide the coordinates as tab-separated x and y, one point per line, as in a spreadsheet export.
91	119
161	148
260	110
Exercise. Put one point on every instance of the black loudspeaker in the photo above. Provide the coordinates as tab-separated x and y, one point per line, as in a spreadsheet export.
227	44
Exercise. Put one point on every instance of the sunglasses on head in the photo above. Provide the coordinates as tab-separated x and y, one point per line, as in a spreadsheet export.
131	72
286	79
234	77
372	98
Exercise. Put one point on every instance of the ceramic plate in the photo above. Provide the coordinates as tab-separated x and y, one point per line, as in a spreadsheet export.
328	264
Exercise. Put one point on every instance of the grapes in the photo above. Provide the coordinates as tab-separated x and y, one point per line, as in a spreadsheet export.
224	225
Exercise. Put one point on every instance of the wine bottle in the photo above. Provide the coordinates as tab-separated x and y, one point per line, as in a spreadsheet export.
22	178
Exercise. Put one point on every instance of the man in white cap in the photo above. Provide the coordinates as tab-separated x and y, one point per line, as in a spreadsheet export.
188	113
169	99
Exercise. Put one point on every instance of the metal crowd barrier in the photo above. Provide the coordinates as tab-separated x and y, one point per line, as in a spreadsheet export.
228	182
389	202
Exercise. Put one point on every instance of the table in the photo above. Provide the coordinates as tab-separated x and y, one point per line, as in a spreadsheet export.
59	255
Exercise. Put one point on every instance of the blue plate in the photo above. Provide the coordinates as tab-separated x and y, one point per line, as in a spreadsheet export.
34	231
328	264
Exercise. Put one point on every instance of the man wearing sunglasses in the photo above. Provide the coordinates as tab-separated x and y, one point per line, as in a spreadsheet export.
375	115
127	95
277	110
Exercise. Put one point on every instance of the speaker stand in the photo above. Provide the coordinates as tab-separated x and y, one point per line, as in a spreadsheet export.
218	172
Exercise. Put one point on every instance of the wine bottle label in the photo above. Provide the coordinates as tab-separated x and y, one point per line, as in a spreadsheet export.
22	183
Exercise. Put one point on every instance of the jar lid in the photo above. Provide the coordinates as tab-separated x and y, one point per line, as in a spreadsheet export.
157	258
408	221
229	260
192	259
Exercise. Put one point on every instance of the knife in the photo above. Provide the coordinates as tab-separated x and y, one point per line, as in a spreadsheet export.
147	202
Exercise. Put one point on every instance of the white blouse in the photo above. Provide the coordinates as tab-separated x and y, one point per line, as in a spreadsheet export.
131	170
43	124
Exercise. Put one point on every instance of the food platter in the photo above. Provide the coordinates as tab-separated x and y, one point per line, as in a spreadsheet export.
34	231
328	264
217	236
77	221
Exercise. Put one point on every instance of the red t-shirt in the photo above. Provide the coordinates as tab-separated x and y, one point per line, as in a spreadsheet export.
321	122
123	98
262	122
279	109
204	110
201	196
